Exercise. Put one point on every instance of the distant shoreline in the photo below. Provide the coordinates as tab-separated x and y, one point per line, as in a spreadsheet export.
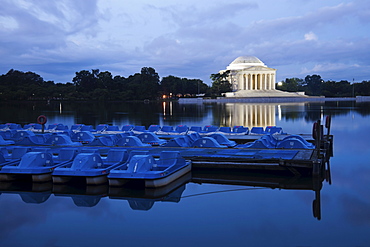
272	99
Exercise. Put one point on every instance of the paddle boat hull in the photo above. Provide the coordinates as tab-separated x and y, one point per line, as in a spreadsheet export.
154	182
93	180
154	173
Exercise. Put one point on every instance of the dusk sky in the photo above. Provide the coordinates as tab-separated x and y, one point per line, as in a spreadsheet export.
188	38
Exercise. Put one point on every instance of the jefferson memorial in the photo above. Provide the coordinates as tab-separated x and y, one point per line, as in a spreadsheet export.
250	77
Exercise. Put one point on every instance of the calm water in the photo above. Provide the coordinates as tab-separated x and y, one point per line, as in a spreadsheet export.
197	213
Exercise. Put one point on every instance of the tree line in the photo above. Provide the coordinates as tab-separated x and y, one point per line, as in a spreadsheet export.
314	85
98	85
102	85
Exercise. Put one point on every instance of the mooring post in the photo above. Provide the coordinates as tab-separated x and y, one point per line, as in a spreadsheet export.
318	133
328	124
42	120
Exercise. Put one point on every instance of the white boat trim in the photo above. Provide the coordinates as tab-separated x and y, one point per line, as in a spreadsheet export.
168	179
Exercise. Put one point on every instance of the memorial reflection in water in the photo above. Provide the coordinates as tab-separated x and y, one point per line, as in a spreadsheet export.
250	115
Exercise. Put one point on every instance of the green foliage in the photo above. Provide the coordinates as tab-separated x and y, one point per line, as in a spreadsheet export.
315	86
292	85
220	83
176	86
96	85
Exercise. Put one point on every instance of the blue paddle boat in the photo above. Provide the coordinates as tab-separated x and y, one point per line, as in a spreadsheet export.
91	166
38	165
154	172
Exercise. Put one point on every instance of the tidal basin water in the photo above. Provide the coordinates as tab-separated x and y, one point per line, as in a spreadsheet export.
266	211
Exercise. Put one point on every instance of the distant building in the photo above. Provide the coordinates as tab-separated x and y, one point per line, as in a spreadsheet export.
250	77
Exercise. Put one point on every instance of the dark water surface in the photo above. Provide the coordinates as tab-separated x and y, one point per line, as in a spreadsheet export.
266	211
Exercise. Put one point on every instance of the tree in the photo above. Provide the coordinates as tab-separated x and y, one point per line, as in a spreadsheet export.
220	83
85	81
291	85
149	83
104	80
170	85
314	84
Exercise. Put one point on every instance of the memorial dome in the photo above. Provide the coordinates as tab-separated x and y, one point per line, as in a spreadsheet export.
245	62
247	59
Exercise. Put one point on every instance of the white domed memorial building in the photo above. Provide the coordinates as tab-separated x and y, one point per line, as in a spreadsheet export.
250	77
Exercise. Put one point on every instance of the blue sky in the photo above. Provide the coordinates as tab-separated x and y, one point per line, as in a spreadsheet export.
188	38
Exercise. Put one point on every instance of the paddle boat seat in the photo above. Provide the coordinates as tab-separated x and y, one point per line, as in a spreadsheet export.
240	129
139	129
112	128
2	159
308	144
131	141
140	163
62	140
4	142
196	129
273	130
181	129
257	131
150	138
292	143
127	127
8	134
87	128
223	140
35	159
119	136
32	127
207	142
32	140
76	127
65	155
17	153
209	129
102	141
101	127
166	130
175	142
116	156
271	139
131	154
194	136
154	128
225	129
258	144
83	137
181	141
168	158
12	126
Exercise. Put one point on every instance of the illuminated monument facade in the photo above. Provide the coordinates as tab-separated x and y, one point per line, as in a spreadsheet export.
250	77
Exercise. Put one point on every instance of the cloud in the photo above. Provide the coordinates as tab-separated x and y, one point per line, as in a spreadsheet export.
310	36
192	38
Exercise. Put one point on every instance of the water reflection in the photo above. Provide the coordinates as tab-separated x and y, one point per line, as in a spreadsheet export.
266	181
174	113
144	198
36	193
249	115
140	198
82	196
